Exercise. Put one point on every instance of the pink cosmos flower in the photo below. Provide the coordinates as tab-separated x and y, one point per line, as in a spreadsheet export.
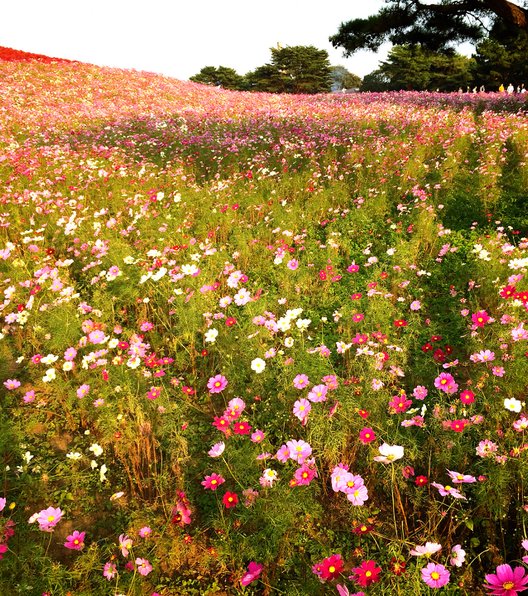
97	337
344	591
506	581
75	541
154	393
213	481
446	383
292	264
253	572
109	570
448	491
301	409
217	449
301	381
11	384
458	556
435	575
48	518
29	396
217	384
283	454
125	543
70	354
338	477
429	548
420	392
83	390
358	495
145	531
305	474
486	448
257	436
521	424
299	450
318	393
458	478
143	566
235	407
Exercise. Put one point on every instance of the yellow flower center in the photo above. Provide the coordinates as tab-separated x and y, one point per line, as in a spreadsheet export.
435	575
508	585
368	573
331	569
51	518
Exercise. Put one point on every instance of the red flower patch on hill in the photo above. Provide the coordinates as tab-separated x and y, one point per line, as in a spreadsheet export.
11	55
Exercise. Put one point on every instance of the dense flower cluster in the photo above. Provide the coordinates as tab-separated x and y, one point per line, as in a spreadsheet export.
253	335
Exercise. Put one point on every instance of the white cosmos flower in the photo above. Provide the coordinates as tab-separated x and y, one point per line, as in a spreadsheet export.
389	453
258	365
512	404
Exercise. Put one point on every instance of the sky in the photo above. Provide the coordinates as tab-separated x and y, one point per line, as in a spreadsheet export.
179	37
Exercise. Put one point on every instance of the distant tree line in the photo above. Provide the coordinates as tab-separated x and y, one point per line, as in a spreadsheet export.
292	69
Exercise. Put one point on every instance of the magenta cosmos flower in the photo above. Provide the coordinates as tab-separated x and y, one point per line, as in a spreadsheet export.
506	581
213	481
435	575
446	383
75	541
253	572
217	384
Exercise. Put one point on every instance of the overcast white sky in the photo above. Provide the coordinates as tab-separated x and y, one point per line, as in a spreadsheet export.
179	37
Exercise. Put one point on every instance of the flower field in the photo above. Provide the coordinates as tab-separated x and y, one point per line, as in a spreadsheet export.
260	344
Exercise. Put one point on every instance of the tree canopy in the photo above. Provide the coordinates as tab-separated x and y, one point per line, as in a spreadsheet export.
417	68
435	26
221	76
293	69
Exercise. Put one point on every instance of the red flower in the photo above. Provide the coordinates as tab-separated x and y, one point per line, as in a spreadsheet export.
221	423
230	321
507	291
421	480
241	428
467	397
427	347
400	323
397	566
367	573
439	355
230	500
362	529
458	425
331	567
